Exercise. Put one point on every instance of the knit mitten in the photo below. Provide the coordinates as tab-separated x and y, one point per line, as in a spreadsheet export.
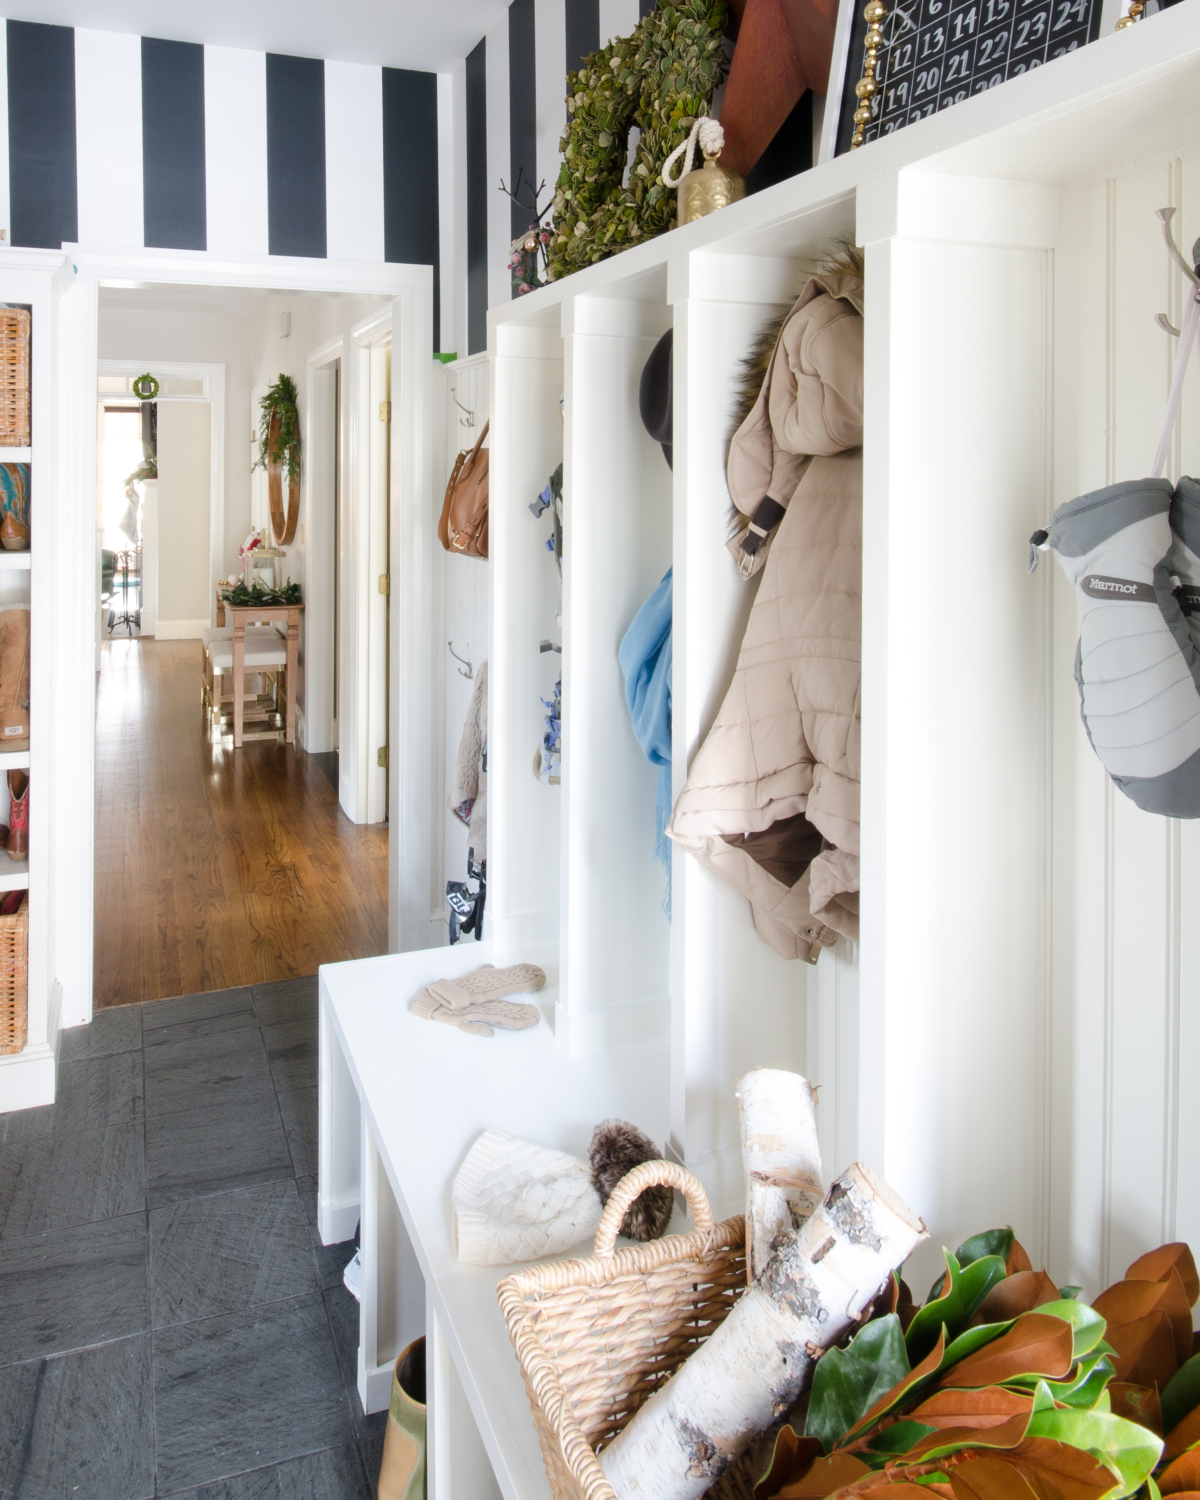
475	1001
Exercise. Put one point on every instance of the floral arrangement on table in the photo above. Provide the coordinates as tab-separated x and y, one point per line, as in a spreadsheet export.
260	593
1004	1386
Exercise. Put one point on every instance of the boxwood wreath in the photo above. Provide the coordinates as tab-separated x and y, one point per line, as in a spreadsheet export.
659	78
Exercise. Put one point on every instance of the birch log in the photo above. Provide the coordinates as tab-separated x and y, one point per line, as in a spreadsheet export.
780	1157
747	1375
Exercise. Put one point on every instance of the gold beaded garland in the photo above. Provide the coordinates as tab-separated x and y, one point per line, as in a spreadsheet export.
866	88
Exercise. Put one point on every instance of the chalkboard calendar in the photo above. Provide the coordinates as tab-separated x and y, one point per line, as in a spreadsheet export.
936	53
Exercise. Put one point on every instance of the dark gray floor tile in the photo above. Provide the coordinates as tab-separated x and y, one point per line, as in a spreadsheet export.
117	1029
287	1000
335	1474
231	1004
370	1450
198	1071
214	1150
292	1053
299	1110
331	1259
343	1319
229	1252
245	1391
72	1287
71	1179
79	1425
91	1092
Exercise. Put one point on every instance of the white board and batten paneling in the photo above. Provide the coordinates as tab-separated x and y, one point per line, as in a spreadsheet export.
1010	1041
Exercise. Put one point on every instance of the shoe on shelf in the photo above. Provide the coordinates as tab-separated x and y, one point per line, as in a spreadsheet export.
352	1276
17	842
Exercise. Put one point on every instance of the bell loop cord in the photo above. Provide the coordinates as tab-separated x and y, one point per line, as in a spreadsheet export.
712	143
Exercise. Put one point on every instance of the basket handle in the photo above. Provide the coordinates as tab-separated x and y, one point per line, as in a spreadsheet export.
650	1174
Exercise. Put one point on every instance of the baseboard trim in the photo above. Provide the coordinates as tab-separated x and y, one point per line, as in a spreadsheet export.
179	630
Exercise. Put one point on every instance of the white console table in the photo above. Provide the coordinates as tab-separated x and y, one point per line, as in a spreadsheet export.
401	1101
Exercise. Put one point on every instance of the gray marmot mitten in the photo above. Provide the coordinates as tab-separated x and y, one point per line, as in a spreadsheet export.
1137	665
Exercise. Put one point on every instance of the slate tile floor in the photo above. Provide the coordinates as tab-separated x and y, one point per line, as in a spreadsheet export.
170	1324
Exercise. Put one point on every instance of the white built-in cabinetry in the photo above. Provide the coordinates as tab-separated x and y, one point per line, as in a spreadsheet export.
27	278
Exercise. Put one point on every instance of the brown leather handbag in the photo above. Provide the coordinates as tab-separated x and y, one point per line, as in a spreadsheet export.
463	527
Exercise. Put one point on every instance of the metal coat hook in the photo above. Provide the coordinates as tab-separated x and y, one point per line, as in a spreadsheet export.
470	672
1192	272
470	422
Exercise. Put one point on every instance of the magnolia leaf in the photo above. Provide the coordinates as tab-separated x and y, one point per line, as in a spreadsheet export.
1017	1294
1018	1259
1035	1345
1083	1387
1158	1264
974	1338
1181	1393
967	1408
1127	1302
1088	1324
824	1475
957	1306
989	1242
847	1382
1006	1434
989	1478
915	1381
1183	1474
1130	1451
1057	1471
1042	1399
899	1437
913	1489
1182	1436
1136	1403
791	1459
1069	1293
1145	1349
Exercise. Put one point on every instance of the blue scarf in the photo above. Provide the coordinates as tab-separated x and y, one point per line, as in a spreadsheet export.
645	658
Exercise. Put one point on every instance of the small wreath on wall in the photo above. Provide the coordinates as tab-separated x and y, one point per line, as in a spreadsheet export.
660	78
279	450
145	387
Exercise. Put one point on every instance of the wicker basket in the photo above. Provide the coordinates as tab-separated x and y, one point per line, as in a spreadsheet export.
14	377
14	980
595	1338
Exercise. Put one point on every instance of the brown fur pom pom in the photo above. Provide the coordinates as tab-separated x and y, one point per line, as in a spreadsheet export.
617	1147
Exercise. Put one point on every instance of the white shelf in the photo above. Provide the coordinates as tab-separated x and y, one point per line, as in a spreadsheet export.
14	874
14	760
16	455
17	561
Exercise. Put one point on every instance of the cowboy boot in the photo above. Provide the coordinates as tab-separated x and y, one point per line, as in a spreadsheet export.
18	815
14	677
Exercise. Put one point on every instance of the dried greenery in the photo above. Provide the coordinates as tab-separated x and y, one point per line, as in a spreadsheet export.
1006	1387
659	78
280	400
259	593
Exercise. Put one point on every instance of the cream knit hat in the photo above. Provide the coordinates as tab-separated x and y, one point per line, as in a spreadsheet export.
516	1201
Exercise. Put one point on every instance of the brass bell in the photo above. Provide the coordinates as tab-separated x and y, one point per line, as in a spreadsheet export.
710	187
705	190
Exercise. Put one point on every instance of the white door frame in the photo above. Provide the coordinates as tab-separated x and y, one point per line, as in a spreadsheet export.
77	286
213	377
317	533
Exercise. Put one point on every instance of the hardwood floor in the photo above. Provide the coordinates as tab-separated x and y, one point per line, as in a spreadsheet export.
216	868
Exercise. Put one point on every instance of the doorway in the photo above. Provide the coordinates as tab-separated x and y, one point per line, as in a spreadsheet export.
216	867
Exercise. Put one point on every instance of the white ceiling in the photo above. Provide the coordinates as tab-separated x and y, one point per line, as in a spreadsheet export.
395	33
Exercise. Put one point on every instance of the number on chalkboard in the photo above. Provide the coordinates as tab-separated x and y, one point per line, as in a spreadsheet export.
936	53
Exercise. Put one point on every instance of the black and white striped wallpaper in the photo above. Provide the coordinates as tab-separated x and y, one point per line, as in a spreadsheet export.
117	140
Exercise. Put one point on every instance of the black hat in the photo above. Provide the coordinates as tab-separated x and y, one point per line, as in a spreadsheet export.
655	394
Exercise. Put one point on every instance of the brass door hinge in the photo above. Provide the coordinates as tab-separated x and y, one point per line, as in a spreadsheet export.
385	411
383	757
385	583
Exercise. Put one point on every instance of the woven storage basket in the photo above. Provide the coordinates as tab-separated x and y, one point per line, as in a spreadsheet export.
595	1338
14	980
14	377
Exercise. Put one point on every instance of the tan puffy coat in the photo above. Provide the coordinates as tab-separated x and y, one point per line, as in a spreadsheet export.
771	801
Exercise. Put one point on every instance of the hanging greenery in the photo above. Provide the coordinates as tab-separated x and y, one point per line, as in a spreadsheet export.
261	594
660	78
280	401
1004	1386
